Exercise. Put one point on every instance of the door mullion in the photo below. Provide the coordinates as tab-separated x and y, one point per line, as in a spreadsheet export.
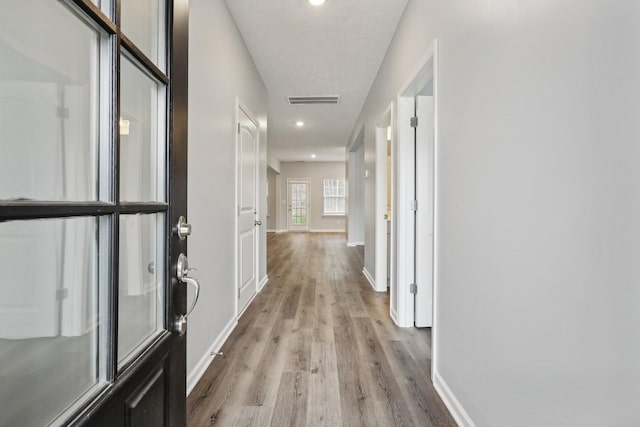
114	280
42	210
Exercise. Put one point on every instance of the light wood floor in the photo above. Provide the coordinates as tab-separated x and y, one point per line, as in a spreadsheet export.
317	348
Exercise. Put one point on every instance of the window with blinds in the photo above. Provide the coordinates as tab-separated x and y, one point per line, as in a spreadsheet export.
335	197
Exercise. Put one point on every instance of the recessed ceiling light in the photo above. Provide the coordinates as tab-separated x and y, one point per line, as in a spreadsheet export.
316	2
313	156
299	123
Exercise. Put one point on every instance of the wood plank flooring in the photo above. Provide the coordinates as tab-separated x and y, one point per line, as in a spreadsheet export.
317	348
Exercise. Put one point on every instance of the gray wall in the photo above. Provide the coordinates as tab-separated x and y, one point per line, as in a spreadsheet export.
316	172
539	214
272	200
220	69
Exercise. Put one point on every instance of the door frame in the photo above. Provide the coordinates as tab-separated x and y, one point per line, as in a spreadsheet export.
161	364
425	73
387	120
305	181
241	106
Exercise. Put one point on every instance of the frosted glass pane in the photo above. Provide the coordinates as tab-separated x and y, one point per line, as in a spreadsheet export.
141	281
143	22
141	135
48	103
49	323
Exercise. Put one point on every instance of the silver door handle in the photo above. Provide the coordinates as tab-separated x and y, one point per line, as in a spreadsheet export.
183	228
182	273
258	223
196	285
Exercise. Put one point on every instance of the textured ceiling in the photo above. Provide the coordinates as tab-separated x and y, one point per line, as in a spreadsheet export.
300	49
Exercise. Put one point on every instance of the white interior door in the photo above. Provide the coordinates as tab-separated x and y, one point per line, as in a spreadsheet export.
381	215
298	202
247	208
424	213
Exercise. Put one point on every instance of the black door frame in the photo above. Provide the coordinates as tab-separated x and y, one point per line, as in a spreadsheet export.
167	354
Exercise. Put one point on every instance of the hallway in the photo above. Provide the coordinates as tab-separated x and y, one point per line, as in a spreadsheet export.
317	347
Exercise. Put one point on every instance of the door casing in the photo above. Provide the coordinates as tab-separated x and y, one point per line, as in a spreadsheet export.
307	182
242	108
426	73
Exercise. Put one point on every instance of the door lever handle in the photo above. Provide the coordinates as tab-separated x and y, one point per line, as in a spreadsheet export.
182	273
196	285
257	222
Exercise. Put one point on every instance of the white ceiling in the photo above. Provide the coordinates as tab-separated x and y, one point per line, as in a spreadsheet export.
300	49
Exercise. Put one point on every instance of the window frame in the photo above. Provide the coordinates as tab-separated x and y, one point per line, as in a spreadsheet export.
336	196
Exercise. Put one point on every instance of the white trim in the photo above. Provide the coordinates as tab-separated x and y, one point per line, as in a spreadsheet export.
436	204
271	231
451	402
324	197
246	306
370	279
418	76
337	230
263	282
198	371
404	215
423	74
394	315
240	106
354	244
381	224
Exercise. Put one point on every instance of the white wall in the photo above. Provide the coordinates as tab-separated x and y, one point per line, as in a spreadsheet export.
539	215
220	69
316	172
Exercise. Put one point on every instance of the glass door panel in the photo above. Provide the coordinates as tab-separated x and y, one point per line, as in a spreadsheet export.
299	204
141	284
52	339
48	103
143	22
142	135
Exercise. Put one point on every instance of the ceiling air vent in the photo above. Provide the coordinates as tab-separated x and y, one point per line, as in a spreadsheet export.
313	100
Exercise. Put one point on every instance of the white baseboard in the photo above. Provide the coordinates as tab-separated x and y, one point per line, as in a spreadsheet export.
271	231
202	365
352	244
263	282
255	294
451	402
369	278
394	316
312	231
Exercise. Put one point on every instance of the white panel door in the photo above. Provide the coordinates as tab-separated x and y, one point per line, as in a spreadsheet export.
247	208
298	198
424	214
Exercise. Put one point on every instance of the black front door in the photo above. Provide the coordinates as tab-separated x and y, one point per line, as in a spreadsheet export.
93	167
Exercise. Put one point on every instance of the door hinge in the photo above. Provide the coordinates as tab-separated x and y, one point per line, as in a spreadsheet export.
62	294
414	122
62	112
238	127
413	288
413	205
